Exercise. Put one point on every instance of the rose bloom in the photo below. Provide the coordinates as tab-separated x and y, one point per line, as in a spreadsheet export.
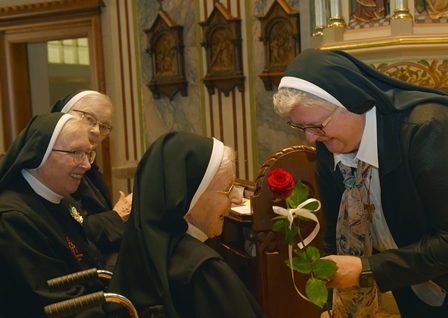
281	183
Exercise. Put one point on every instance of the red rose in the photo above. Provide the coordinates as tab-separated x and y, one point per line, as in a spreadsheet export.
281	183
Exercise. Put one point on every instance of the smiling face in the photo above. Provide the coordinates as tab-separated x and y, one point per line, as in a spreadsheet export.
101	108
343	132
209	212
60	173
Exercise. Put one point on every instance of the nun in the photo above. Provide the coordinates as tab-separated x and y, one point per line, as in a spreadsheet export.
183	189
387	229
41	232
104	222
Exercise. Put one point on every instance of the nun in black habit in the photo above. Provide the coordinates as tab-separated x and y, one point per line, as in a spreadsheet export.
104	222
41	233
183	189
356	114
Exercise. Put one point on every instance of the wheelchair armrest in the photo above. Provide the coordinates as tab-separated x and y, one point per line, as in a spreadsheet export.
79	278
72	306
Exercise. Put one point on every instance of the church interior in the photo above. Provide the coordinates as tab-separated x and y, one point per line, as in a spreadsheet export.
209	67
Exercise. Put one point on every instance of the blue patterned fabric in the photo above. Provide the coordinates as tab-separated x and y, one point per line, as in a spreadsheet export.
353	238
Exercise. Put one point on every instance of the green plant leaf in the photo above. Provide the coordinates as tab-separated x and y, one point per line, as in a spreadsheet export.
302	265
324	268
312	253
312	206
298	195
300	253
289	235
316	291
280	226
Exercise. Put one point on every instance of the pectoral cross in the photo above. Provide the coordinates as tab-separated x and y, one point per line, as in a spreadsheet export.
369	208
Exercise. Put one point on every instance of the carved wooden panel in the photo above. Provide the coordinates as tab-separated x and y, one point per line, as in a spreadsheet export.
166	47
433	74
280	34
222	42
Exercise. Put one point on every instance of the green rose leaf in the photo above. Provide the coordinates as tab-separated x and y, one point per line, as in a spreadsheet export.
312	253
298	195
300	253
289	235
280	226
311	206
316	291
302	265
324	268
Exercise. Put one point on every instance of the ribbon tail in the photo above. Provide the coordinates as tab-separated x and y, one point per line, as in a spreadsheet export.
292	274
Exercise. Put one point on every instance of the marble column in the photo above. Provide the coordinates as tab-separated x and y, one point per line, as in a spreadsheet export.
336	18
401	10
320	16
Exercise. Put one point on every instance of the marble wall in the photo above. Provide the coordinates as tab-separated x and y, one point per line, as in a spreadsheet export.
267	133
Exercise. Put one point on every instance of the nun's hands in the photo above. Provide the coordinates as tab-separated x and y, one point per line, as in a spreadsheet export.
349	270
123	206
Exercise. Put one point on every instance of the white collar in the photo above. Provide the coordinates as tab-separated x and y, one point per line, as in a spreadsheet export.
366	152
41	189
196	233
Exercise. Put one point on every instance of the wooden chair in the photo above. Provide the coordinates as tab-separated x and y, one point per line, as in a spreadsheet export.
278	296
266	274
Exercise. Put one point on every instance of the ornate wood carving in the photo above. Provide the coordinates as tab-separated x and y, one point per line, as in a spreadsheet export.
288	159
48	10
267	242
222	42
280	34
166	47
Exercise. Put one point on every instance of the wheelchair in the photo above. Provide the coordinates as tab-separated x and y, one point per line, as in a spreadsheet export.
73	306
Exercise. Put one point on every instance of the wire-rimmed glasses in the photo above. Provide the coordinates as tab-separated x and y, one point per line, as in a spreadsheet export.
105	129
79	155
316	130
227	193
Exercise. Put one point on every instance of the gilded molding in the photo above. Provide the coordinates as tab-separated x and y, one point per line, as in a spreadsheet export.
384	42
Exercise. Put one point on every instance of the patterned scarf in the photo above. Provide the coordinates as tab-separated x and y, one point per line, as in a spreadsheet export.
353	238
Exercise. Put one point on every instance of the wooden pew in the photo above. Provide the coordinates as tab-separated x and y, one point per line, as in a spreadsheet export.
257	254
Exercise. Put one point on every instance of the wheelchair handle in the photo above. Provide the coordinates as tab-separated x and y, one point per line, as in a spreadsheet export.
79	278
72	306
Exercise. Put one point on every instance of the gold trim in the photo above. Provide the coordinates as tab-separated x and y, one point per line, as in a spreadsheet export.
319	33
388	42
337	17
337	24
336	21
401	13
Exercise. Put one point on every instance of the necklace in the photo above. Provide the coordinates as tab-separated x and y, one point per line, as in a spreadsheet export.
369	207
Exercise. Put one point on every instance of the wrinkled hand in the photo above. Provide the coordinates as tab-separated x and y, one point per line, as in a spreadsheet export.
123	206
348	273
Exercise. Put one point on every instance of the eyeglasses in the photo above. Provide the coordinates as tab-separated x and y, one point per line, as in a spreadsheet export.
105	129
316	130
79	155
227	193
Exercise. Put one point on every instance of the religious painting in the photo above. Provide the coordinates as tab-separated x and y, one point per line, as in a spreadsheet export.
280	34
165	45
222	43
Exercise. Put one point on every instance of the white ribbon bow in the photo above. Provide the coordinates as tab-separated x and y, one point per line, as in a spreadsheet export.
307	213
